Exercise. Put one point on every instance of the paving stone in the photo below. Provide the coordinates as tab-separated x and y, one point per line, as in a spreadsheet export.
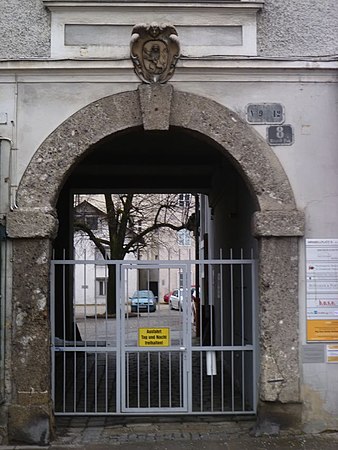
170	435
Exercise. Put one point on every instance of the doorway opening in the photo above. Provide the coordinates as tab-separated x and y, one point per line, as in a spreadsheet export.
195	354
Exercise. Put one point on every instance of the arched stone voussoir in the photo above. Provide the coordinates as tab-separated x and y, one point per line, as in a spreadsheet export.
67	145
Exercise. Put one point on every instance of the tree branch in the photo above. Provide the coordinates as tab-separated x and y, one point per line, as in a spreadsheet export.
99	242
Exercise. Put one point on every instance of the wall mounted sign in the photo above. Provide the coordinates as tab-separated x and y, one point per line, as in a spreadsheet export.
313	354
322	289
280	135
265	113
154	337
332	353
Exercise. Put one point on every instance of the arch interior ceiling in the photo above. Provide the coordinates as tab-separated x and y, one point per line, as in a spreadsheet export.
167	161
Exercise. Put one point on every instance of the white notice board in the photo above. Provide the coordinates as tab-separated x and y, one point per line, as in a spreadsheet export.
322	289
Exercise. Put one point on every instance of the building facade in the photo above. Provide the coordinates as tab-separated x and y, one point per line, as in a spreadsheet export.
248	120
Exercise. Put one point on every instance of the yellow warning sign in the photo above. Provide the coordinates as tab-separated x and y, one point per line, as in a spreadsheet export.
154	337
322	330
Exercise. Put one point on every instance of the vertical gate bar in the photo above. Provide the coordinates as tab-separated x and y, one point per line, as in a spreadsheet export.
64	383
75	353
159	379
169	273
169	380
138	380
232	299
221	296
212	386
148	377
95	318
85	382
242	301
95	382
254	343
201	270
75	324
232	331
127	380
106	384
182	380
128	359
74	383
105	284
243	331
106	387
243	382
124	297
222	331
232	382
85	304
211	299
211	285
52	321
95	297
107	338
180	376
119	330
201	380
64	299
200	322
188	338
222	381
64	331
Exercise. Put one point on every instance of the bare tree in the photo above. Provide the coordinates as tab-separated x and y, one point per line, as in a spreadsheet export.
133	221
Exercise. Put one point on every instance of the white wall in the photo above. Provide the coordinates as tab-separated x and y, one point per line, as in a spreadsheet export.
309	94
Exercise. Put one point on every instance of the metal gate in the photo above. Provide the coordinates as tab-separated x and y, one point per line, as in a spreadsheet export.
194	355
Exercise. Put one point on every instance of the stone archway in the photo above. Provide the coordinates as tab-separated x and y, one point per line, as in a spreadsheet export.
277	224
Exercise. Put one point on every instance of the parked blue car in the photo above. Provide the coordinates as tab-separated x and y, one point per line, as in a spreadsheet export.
143	301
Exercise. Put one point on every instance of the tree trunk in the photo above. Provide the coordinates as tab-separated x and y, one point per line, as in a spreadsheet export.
111	289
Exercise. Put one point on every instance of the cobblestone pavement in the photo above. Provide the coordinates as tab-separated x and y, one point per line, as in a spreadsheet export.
102	434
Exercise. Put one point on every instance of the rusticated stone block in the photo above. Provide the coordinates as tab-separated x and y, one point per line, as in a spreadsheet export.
279	340
28	425
278	223
275	414
31	223
30	329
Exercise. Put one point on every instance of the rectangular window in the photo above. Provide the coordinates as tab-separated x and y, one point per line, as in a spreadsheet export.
184	200
184	237
181	275
91	222
101	287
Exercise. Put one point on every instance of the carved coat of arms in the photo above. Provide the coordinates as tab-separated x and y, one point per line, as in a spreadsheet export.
154	51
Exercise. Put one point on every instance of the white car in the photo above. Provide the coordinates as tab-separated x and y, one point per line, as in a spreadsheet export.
176	298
